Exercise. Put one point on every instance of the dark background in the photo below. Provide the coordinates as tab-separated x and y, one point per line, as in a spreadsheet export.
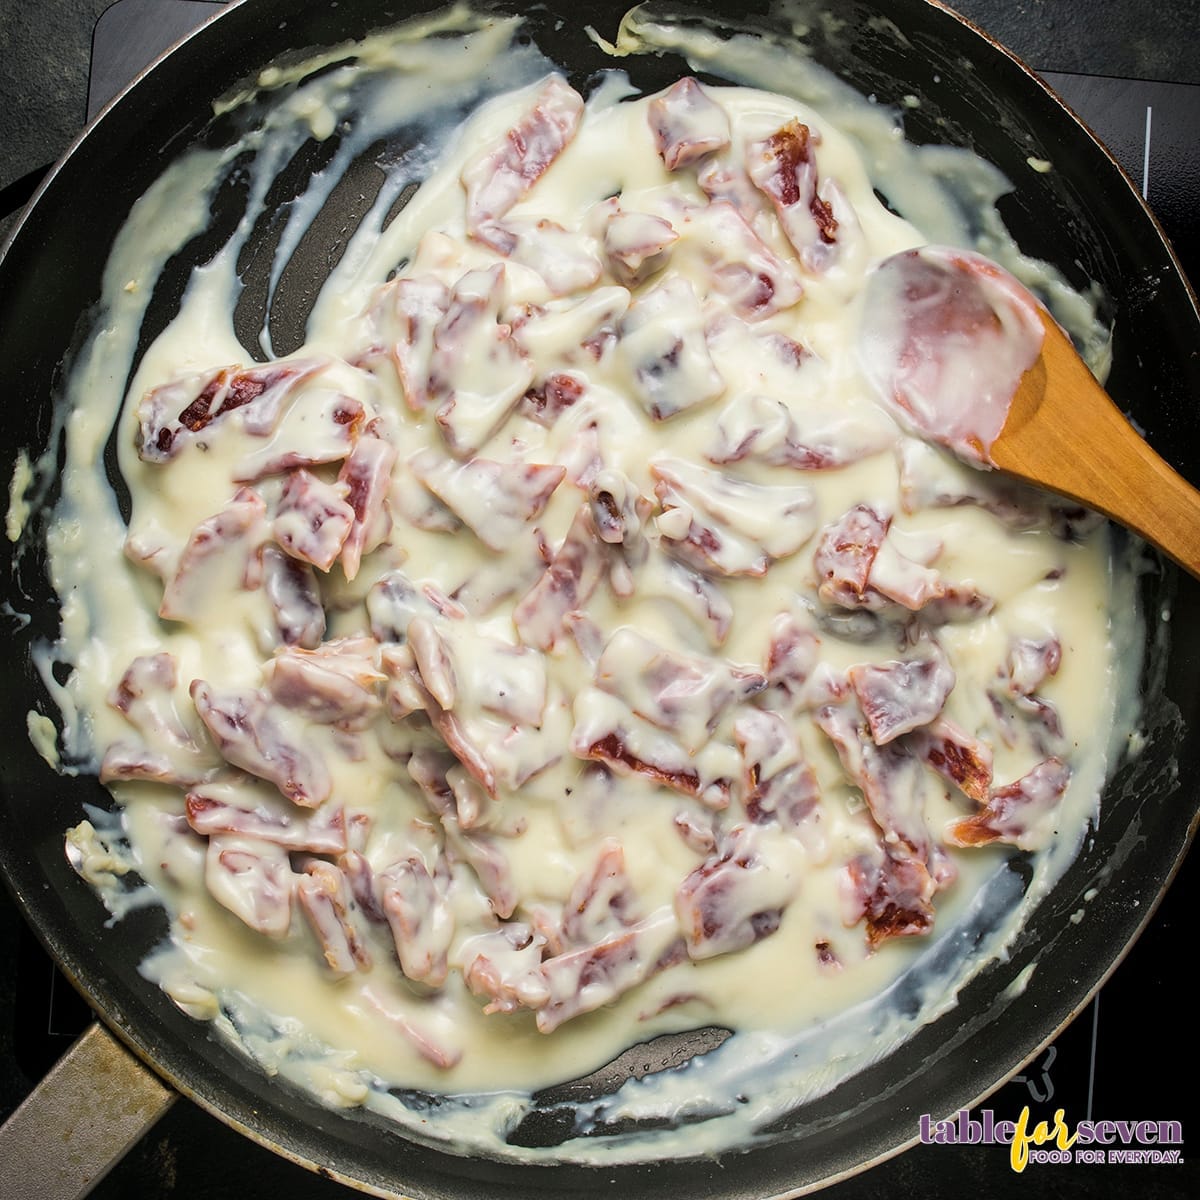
1131	1055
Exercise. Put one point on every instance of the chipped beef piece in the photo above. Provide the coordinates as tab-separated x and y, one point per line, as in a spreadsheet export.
636	245
1018	812
320	427
893	895
607	731
956	756
582	980
778	784
742	268
687	124
419	915
661	343
223	554
572	575
477	371
495	500
312	519
167	751
682	694
245	726
239	806
892	783
733	899
501	175
338	683
784	168
173	413
326	900
366	476
902	695
253	879
728	526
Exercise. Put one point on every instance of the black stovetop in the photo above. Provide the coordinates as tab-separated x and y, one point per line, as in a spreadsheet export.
1128	1056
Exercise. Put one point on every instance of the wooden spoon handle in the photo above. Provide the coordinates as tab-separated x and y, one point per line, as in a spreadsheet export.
1064	425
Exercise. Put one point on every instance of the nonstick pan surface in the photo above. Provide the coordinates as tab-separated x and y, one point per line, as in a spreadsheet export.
1082	216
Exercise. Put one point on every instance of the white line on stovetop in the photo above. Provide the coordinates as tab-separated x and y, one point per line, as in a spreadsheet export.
1146	154
50	1005
1095	1030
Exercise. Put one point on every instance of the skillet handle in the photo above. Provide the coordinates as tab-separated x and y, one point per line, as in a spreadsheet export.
77	1124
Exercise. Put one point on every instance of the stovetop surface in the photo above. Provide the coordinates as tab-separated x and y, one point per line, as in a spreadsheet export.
1126	67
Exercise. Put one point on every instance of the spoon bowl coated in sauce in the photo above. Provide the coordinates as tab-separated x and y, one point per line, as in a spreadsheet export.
967	358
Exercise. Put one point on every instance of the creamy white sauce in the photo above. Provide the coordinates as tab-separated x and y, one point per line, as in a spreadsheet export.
18	503
696	372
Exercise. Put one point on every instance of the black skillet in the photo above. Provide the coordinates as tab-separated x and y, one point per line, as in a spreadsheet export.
1083	216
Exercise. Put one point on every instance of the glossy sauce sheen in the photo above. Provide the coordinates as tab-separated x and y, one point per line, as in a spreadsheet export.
564	647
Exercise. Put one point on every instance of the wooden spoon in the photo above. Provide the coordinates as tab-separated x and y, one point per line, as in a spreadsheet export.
966	357
1064	433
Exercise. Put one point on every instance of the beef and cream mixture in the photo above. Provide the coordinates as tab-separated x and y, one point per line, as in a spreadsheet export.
566	644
